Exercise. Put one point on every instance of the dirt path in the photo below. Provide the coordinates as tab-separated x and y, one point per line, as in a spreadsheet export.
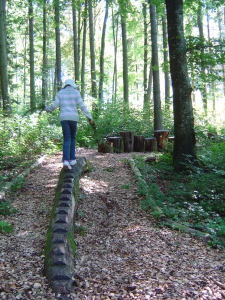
121	253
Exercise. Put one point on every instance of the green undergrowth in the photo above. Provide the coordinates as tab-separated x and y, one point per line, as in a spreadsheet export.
6	209
195	198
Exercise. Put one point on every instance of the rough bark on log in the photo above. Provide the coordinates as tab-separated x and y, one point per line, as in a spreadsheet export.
117	141
60	246
128	140
161	136
139	143
150	144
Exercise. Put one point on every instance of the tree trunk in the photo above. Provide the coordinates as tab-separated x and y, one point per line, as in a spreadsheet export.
75	42
31	38
115	42
92	51
221	39
84	49
146	103
184	143
125	62
203	69
3	62
58	47
102	54
155	66
166	64
128	140
45	61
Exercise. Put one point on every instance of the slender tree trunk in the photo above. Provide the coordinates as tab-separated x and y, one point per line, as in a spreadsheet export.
3	61
58	47
115	42
155	66
31	38
92	51
125	62
25	67
166	64
221	38
212	86
75	42
102	54
84	49
45	61
146	103
203	69
184	143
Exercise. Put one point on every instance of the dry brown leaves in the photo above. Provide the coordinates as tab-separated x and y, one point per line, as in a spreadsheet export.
121	253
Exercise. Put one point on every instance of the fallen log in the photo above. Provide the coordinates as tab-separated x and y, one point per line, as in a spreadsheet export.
155	208
157	211
60	246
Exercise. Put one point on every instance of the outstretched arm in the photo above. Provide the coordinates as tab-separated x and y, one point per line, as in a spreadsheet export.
53	106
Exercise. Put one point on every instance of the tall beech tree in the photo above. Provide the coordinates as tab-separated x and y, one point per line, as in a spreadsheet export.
166	64
92	51
115	25
31	55
146	103
203	68
184	144
84	48
125	60
155	67
75	42
58	46
45	61
102	52
3	61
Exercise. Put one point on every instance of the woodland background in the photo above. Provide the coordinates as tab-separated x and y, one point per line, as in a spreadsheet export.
141	66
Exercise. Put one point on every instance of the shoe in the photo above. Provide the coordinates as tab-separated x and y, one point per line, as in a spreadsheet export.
66	165
73	162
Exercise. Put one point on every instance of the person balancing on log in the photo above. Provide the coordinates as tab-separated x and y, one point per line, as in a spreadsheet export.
67	100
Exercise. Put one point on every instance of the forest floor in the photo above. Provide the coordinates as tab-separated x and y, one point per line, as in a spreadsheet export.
121	252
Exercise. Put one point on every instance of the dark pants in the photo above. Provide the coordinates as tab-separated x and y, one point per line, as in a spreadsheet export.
69	129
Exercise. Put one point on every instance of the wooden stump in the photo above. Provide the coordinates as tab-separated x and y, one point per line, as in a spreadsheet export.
161	136
117	142
128	140
139	143
150	144
105	147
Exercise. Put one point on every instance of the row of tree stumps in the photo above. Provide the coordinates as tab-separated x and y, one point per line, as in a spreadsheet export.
128	142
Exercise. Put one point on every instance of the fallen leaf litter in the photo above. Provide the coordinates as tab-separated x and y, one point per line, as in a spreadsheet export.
121	253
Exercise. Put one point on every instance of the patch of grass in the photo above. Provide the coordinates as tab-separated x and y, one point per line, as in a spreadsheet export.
18	183
126	186
6	208
5	227
79	229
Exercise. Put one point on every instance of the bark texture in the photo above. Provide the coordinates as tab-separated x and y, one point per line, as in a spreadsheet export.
184	144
